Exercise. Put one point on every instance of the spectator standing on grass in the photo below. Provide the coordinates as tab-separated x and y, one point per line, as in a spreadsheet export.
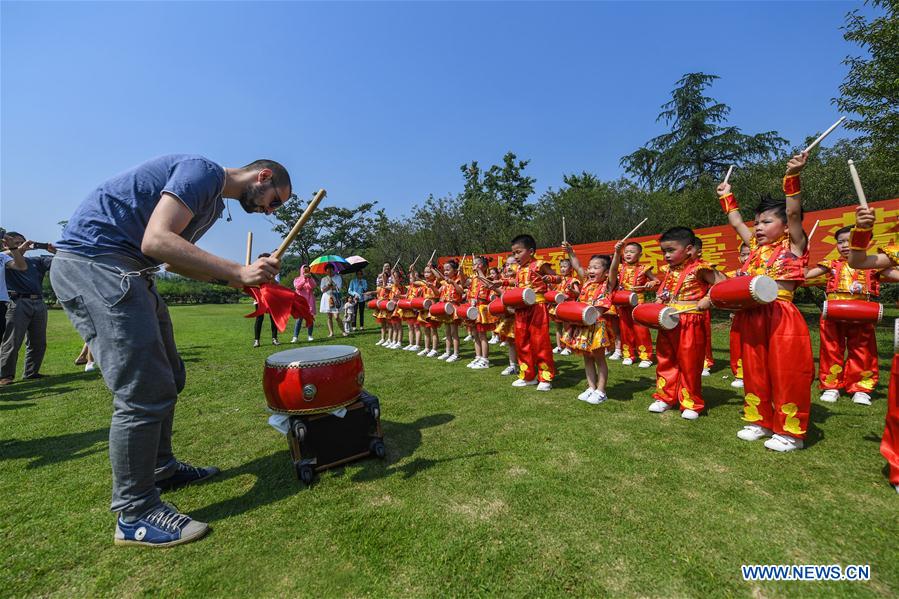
330	302
304	285
9	259
348	314
103	276
26	312
358	289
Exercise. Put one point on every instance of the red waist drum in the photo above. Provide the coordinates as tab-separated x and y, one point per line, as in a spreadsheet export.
405	304
421	303
556	297
520	297
388	305
624	298
741	293
497	307
311	380
577	313
471	312
852	311
373	304
656	316
442	309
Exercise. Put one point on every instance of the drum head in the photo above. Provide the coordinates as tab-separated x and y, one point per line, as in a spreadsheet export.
591	315
667	319
306	357
529	296
763	289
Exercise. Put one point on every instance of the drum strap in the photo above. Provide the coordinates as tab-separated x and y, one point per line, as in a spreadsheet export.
681	279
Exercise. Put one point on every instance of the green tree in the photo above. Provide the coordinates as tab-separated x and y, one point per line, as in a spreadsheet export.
332	229
700	146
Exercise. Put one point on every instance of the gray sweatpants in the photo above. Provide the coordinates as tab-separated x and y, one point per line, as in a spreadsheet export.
117	311
26	320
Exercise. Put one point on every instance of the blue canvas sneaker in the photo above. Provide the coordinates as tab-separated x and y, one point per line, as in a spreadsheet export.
163	526
185	475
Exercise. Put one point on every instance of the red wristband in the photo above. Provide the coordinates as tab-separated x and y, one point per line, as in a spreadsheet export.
791	185
728	203
860	239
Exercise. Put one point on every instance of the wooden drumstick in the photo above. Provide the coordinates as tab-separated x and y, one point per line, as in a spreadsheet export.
564	231
812	232
634	230
825	134
858	185
682	311
431	259
730	169
299	225
414	261
249	247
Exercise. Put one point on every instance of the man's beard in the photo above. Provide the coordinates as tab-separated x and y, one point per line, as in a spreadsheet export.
249	196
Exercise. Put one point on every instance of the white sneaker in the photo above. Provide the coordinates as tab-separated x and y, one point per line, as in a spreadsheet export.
627	362
90	367
596	398
566	352
706	372
275	341
557	349
309	338
737	383
644	364
524	383
472	363
615	355
443	356
784	443
255	342
510	369
481	365
753	432
431	353
689	414
861	398
493	340
422	352
659	406
830	396
452	358
467	339
544	386
503	344
585	394
293	340
415	348
380	342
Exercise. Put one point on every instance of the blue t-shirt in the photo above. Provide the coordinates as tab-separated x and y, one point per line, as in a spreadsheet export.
112	219
4	258
31	280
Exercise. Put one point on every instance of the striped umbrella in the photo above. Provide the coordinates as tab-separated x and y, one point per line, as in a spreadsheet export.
317	266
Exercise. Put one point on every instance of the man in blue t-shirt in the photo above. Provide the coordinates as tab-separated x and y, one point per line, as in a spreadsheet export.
12	259
103	276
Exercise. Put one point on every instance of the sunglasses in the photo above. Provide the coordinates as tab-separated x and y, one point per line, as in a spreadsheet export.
278	202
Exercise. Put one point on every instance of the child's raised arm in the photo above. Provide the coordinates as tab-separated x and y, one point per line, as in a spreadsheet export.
575	263
732	210
859	239
798	239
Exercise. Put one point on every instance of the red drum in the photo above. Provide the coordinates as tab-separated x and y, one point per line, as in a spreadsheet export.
388	305
852	311
624	298
421	303
520	297
656	316
496	307
373	304
471	312
442	309
556	297
741	293
577	313
311	380
405	304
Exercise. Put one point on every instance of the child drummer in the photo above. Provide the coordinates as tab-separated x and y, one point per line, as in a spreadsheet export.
636	341
479	297
565	282
736	361
778	367
413	290
381	316
680	351
887	261
428	325
505	327
857	372
709	361
451	290
591	341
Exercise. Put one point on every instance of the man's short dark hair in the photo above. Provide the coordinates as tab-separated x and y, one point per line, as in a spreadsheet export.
682	235
634	243
841	232
744	245
778	205
526	240
604	258
14	234
697	243
280	178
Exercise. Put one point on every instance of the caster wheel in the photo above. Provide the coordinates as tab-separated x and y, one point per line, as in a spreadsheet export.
299	430
305	474
377	448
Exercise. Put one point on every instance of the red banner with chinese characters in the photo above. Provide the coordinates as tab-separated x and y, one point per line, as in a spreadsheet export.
720	245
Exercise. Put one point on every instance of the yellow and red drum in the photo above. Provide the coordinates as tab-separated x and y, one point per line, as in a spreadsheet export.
439	309
387	305
421	303
579	313
859	311
519	297
405	304
742	293
497	307
373	304
312	380
624	298
556	297
656	316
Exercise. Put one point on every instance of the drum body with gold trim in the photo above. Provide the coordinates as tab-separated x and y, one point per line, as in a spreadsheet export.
405	304
859	311
421	303
311	380
497	307
519	297
742	293
373	304
442	309
577	313
387	305
656	316
624	298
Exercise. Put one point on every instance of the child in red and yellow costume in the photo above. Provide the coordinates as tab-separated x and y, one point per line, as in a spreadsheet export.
858	372
505	326
451	288
680	351
479	297
778	367
709	360
381	316
568	283
592	341
428	324
636	340
736	361
886	261
395	319
413	291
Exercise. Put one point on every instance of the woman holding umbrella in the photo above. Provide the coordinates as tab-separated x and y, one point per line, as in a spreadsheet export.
304	285
330	286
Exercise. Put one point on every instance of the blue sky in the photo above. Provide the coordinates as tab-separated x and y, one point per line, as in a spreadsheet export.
382	101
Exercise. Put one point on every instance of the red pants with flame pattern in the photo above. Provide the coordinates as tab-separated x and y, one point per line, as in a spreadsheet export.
535	352
680	352
889	443
856	372
636	341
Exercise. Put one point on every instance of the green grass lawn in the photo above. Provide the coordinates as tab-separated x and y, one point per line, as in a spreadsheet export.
486	490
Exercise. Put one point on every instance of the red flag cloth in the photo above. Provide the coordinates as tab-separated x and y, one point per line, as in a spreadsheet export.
280	302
